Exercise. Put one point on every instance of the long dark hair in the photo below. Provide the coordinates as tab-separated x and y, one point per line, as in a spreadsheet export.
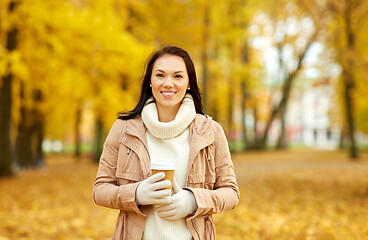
146	91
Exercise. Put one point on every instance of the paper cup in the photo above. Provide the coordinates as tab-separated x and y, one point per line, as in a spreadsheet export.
166	167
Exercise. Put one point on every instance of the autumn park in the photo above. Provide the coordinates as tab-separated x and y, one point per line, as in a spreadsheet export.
286	79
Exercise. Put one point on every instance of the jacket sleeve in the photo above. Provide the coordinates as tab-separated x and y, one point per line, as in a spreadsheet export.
225	194
106	191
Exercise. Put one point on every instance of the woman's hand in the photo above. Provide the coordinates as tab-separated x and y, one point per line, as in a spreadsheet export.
152	191
182	204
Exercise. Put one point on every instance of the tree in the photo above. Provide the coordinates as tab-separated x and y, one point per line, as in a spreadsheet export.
288	67
74	59
6	159
350	18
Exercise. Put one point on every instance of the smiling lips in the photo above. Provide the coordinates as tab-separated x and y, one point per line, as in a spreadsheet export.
168	94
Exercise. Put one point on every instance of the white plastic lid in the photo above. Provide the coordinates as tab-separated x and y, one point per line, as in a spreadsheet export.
163	165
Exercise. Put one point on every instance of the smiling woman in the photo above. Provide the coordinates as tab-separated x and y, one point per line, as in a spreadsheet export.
166	127
147	93
169	84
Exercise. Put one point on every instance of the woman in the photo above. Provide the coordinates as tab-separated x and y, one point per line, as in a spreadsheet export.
166	125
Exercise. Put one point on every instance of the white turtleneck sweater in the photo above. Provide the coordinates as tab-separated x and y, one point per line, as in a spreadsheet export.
169	142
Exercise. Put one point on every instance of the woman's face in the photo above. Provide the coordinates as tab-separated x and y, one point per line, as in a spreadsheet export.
169	82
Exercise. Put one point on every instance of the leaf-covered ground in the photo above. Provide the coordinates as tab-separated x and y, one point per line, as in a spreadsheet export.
284	195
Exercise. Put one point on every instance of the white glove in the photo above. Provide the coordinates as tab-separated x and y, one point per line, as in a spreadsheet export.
182	203
151	190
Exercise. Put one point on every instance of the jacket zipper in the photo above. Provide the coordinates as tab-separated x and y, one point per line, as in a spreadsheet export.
195	229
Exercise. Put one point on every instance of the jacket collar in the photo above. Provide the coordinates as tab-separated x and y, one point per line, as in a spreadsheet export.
201	124
135	127
200	135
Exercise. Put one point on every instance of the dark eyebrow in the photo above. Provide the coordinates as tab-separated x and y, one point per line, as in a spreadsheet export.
159	70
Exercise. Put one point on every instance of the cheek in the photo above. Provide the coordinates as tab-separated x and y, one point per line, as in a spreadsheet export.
155	84
186	84
154	89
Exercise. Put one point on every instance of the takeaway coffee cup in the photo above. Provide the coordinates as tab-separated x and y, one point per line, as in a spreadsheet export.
166	167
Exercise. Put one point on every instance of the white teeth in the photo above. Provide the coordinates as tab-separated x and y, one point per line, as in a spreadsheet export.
168	94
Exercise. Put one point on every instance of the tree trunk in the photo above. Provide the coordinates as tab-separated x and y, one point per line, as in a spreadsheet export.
349	115
99	140
286	88
349	85
6	159
78	119
214	111
39	135
230	109
205	38
245	61
256	139
30	131
281	141
342	138
244	117
25	157
38	129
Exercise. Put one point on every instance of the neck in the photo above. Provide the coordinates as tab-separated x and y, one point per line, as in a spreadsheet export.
167	114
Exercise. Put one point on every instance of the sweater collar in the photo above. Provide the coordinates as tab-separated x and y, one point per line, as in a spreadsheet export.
183	118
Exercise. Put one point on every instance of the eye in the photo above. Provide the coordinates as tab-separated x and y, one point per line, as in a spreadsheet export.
178	76
159	75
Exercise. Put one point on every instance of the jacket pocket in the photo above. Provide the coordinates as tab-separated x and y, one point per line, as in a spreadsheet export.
203	173
126	178
201	181
128	169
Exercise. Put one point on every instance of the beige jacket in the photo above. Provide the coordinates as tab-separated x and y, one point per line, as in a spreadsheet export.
125	162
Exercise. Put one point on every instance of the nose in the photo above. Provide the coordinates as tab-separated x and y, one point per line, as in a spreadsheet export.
168	83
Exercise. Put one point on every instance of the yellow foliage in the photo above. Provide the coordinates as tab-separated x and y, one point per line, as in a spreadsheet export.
92	53
76	56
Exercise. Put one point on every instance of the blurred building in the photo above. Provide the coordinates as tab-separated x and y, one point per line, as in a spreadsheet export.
308	118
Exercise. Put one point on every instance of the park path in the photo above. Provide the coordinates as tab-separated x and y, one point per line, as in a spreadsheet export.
311	163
